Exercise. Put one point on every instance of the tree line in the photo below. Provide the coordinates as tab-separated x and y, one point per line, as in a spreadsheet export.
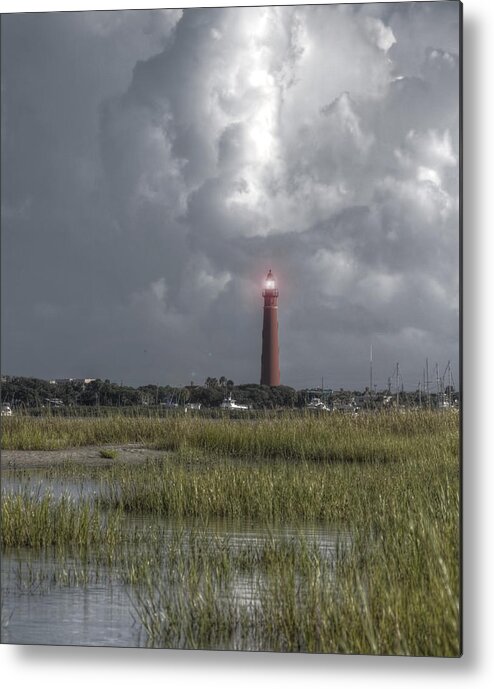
38	393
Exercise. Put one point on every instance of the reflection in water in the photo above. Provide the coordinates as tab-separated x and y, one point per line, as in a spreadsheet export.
67	598
93	615
38	483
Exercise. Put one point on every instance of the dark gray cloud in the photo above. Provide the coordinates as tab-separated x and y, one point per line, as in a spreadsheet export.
155	164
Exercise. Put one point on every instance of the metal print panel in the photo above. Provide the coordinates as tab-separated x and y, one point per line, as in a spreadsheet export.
230	328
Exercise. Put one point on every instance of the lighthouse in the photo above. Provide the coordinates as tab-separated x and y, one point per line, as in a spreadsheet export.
270	358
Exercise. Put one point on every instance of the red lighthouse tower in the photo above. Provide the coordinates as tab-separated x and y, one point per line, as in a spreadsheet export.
270	359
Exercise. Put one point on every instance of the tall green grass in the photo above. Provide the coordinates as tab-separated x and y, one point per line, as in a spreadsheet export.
386	594
55	433
390	480
289	491
36	521
396	591
290	435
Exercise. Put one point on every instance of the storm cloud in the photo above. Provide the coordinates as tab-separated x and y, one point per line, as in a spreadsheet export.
155	164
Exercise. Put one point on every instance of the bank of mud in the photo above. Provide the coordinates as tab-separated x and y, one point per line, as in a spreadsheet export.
131	453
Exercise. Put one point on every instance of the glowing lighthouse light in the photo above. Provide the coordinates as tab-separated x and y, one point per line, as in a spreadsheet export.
270	363
270	286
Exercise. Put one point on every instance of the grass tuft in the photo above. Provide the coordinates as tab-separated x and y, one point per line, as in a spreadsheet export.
108	454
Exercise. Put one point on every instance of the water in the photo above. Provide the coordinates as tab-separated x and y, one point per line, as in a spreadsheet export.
39	483
91	615
61	598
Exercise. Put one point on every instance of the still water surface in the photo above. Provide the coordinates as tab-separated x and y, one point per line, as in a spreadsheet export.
52	599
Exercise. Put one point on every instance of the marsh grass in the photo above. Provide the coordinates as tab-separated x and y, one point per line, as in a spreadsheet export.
291	435
192	483
390	480
41	520
56	433
108	453
374	596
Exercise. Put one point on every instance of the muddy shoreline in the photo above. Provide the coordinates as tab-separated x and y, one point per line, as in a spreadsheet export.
83	456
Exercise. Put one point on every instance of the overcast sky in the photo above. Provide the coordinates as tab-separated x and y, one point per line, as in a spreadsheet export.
155	165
